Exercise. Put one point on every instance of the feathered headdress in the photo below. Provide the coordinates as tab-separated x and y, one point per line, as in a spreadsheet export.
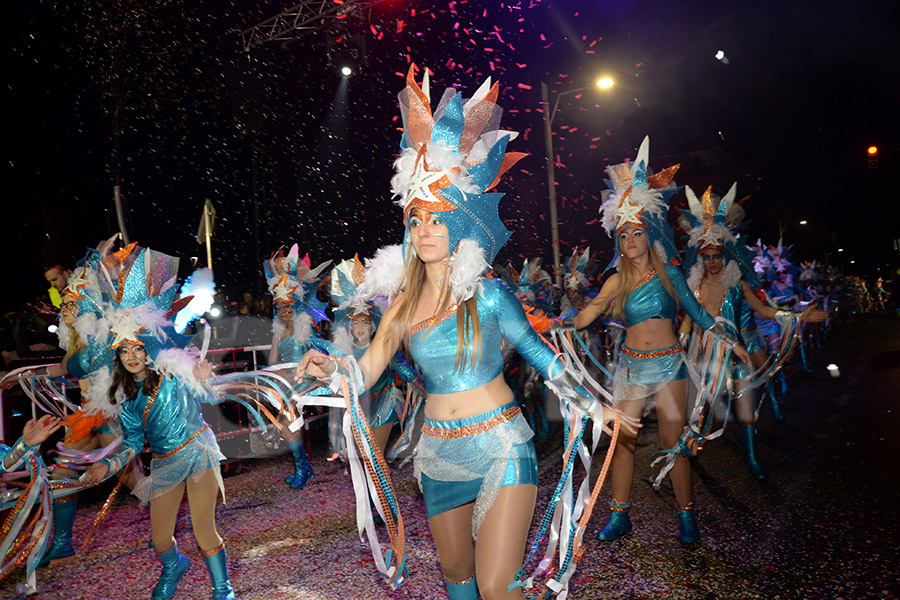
450	158
346	279
576	271
711	222
143	300
293	283
636	198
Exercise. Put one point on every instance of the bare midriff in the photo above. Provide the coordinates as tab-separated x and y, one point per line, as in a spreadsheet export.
651	334
468	403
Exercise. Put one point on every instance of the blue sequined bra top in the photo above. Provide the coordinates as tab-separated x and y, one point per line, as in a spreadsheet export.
651	300
433	347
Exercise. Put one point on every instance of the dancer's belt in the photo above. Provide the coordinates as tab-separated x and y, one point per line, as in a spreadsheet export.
652	353
475	428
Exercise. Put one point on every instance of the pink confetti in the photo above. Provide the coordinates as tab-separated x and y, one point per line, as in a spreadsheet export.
524	86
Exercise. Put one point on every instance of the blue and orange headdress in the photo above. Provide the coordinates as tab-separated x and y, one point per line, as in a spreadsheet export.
713	223
637	198
293	283
143	291
450	158
346	279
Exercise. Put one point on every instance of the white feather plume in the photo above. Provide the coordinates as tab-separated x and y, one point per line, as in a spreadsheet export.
90	326
179	363
439	157
695	277
467	266
731	274
64	334
96	395
384	273
303	326
343	340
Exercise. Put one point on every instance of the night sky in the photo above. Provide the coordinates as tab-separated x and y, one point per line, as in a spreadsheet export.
288	153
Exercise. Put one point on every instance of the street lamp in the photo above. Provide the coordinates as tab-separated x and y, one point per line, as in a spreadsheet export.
783	226
603	83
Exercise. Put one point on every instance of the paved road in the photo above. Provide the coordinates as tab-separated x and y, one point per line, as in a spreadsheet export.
825	525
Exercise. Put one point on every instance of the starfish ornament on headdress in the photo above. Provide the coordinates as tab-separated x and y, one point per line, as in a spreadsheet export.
638	199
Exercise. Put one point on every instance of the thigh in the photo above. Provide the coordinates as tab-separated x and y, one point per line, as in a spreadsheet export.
202	496
164	512
671	402
501	540
452	533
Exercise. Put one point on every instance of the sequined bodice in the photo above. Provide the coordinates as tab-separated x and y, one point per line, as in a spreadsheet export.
651	300
167	418
500	316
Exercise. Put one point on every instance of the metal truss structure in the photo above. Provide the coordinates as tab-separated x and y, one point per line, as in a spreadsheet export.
302	19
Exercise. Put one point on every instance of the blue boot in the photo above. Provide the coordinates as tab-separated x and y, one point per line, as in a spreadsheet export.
748	432
619	522
63	518
544	433
302	470
174	566
688	532
773	402
462	590
783	380
216	562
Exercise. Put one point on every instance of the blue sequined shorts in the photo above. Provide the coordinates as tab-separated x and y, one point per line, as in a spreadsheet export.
470	445
653	366
766	326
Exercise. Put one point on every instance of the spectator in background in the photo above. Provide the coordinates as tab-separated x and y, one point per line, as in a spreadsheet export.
56	276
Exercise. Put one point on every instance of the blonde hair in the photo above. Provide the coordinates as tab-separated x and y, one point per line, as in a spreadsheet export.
628	281
468	325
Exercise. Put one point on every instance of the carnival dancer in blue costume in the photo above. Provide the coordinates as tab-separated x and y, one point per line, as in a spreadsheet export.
476	463
532	287
355	323
159	385
25	539
722	278
297	316
644	294
95	423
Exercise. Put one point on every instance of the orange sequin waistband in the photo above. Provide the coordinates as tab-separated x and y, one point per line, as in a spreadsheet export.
474	429
183	444
652	353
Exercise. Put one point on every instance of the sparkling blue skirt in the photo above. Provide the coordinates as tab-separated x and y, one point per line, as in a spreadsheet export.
473	458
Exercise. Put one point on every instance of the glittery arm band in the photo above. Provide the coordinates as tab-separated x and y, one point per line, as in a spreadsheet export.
567	324
720	332
17	456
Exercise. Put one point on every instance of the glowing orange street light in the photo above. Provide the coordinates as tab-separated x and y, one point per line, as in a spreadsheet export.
872	150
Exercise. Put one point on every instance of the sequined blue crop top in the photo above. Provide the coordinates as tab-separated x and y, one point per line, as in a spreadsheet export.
501	317
168	419
650	300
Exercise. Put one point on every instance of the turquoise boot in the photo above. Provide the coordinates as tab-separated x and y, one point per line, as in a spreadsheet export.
619	522
774	409
462	590
748	433
302	470
216	562
63	519
174	566
688	533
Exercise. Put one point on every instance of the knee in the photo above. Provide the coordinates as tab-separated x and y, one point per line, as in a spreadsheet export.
494	584
458	569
